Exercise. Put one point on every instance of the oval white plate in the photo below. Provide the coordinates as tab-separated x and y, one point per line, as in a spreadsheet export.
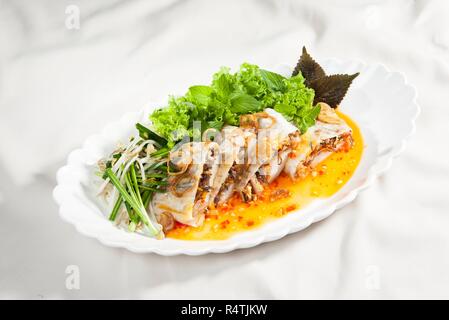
381	102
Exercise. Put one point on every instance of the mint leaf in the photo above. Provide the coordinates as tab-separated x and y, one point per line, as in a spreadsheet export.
223	85
244	103
273	80
286	109
200	94
312	114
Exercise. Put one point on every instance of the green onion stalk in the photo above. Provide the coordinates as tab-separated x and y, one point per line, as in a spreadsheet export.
130	194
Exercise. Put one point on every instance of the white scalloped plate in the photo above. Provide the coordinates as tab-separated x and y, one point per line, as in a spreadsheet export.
381	102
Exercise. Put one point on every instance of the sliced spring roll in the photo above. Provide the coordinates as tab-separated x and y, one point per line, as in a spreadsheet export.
329	134
231	143
273	132
188	192
284	130
247	167
271	170
238	167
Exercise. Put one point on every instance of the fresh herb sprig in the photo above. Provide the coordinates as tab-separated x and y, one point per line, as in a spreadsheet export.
147	134
131	195
249	90
139	189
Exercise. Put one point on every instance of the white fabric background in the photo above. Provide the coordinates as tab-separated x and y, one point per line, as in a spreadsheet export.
57	86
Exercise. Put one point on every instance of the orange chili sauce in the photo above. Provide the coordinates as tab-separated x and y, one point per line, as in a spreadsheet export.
236	216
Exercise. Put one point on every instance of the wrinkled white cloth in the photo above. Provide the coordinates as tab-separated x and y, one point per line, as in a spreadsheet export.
59	85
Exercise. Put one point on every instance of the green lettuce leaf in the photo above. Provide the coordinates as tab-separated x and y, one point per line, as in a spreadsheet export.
230	95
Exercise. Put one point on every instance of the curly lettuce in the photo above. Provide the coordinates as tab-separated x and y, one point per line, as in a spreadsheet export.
230	95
